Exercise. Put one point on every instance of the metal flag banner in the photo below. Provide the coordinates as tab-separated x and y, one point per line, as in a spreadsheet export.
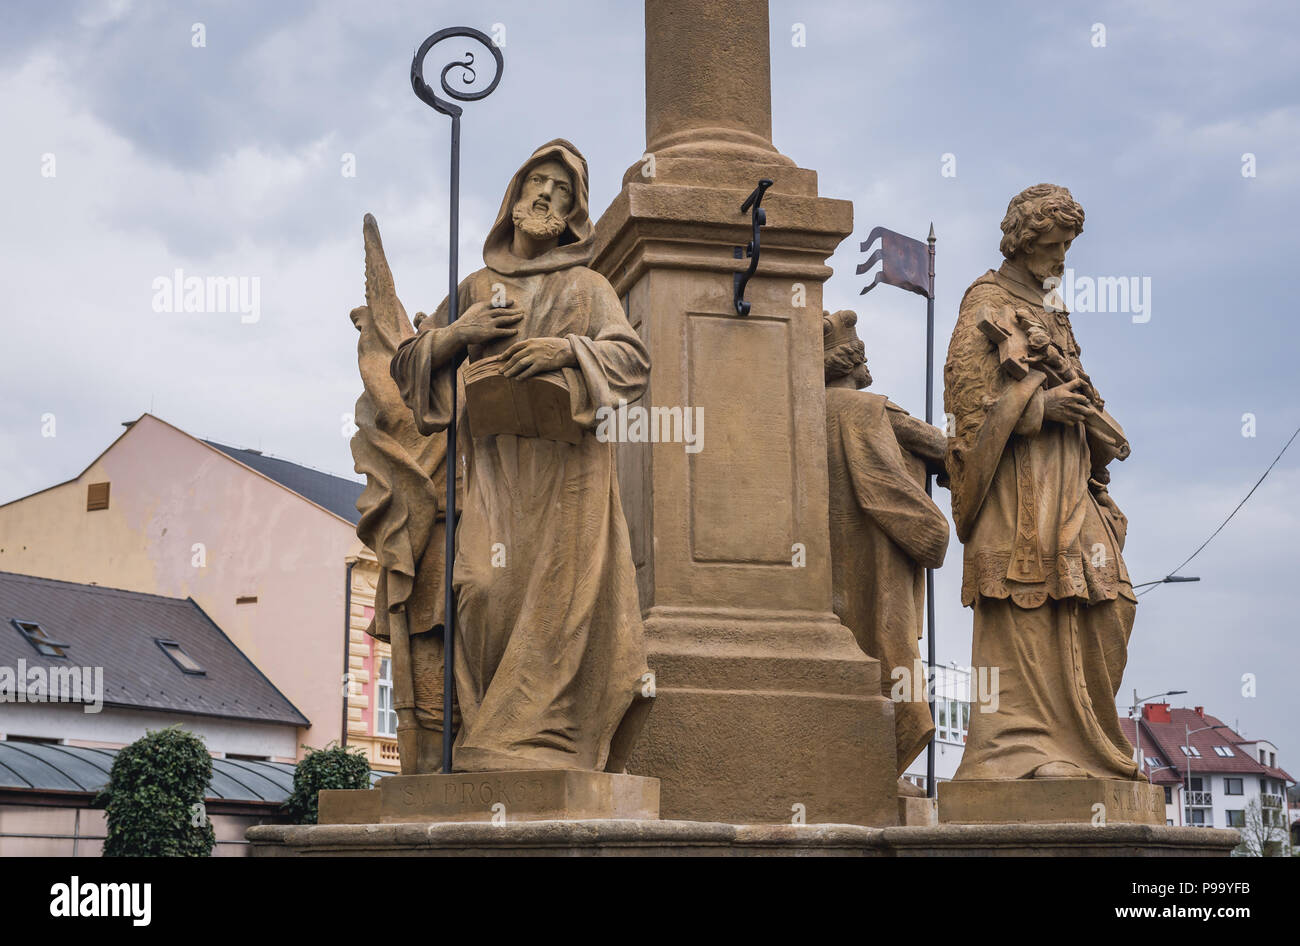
906	262
427	96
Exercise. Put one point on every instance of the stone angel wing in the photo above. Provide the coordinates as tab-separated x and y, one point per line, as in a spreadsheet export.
403	504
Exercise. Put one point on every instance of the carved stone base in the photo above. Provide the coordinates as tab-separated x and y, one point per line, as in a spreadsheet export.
917	812
702	839
1051	800
759	722
525	795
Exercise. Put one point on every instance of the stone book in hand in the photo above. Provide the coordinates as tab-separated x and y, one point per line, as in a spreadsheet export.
537	406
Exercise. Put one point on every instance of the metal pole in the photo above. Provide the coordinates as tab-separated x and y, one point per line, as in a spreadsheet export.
449	560
422	90
931	790
1137	729
347	650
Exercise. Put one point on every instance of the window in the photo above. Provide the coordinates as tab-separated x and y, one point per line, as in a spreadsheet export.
181	659
1195	784
96	496
952	719
37	637
1232	786
1225	751
1169	795
385	714
1196	816
1236	819
1152	762
1191	751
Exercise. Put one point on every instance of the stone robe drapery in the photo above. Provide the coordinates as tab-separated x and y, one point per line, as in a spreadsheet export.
885	531
1041	562
549	651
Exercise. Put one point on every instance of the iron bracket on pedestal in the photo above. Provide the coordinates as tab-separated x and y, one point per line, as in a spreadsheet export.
752	249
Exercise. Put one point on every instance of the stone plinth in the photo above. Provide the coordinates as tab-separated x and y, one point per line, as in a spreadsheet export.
1044	800
694	839
526	795
917	812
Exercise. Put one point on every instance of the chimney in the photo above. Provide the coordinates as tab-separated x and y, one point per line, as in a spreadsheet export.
1200	711
1156	713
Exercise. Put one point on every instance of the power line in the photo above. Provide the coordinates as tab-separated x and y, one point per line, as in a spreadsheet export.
1230	515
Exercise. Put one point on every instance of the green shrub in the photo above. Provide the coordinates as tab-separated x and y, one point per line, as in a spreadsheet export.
332	767
154	798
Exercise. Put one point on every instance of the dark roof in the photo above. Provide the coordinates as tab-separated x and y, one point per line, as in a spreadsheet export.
39	766
1160	773
118	631
1163	741
334	493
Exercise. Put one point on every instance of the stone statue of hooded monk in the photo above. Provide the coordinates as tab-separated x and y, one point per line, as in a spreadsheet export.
549	654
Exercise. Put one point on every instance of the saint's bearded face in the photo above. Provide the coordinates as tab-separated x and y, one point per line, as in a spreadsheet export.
848	359
1045	257
545	201
861	377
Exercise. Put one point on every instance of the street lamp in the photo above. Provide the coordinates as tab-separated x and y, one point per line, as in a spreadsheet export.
1187	751
1137	718
1168	579
1157	769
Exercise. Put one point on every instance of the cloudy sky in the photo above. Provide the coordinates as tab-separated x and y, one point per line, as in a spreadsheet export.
131	151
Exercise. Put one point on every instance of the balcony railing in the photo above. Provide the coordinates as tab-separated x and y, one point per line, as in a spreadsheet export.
1200	799
1270	801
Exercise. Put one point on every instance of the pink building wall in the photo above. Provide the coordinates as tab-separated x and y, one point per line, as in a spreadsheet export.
186	520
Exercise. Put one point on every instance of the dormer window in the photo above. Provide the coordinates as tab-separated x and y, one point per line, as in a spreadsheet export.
181	659
37	637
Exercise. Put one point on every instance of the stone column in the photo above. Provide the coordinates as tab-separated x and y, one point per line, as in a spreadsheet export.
708	83
764	700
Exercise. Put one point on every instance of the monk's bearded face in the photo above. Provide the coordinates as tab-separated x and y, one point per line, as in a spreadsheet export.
544	201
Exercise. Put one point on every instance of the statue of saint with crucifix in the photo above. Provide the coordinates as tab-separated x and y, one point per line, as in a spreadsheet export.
1029	445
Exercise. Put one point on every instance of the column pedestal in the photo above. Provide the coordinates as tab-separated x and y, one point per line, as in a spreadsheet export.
766	710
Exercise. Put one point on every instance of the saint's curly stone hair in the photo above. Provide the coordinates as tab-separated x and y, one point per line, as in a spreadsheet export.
1033	212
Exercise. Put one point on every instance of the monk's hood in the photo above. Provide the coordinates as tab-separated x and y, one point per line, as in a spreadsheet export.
576	243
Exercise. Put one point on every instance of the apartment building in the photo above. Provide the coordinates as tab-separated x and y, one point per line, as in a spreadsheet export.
1210	773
